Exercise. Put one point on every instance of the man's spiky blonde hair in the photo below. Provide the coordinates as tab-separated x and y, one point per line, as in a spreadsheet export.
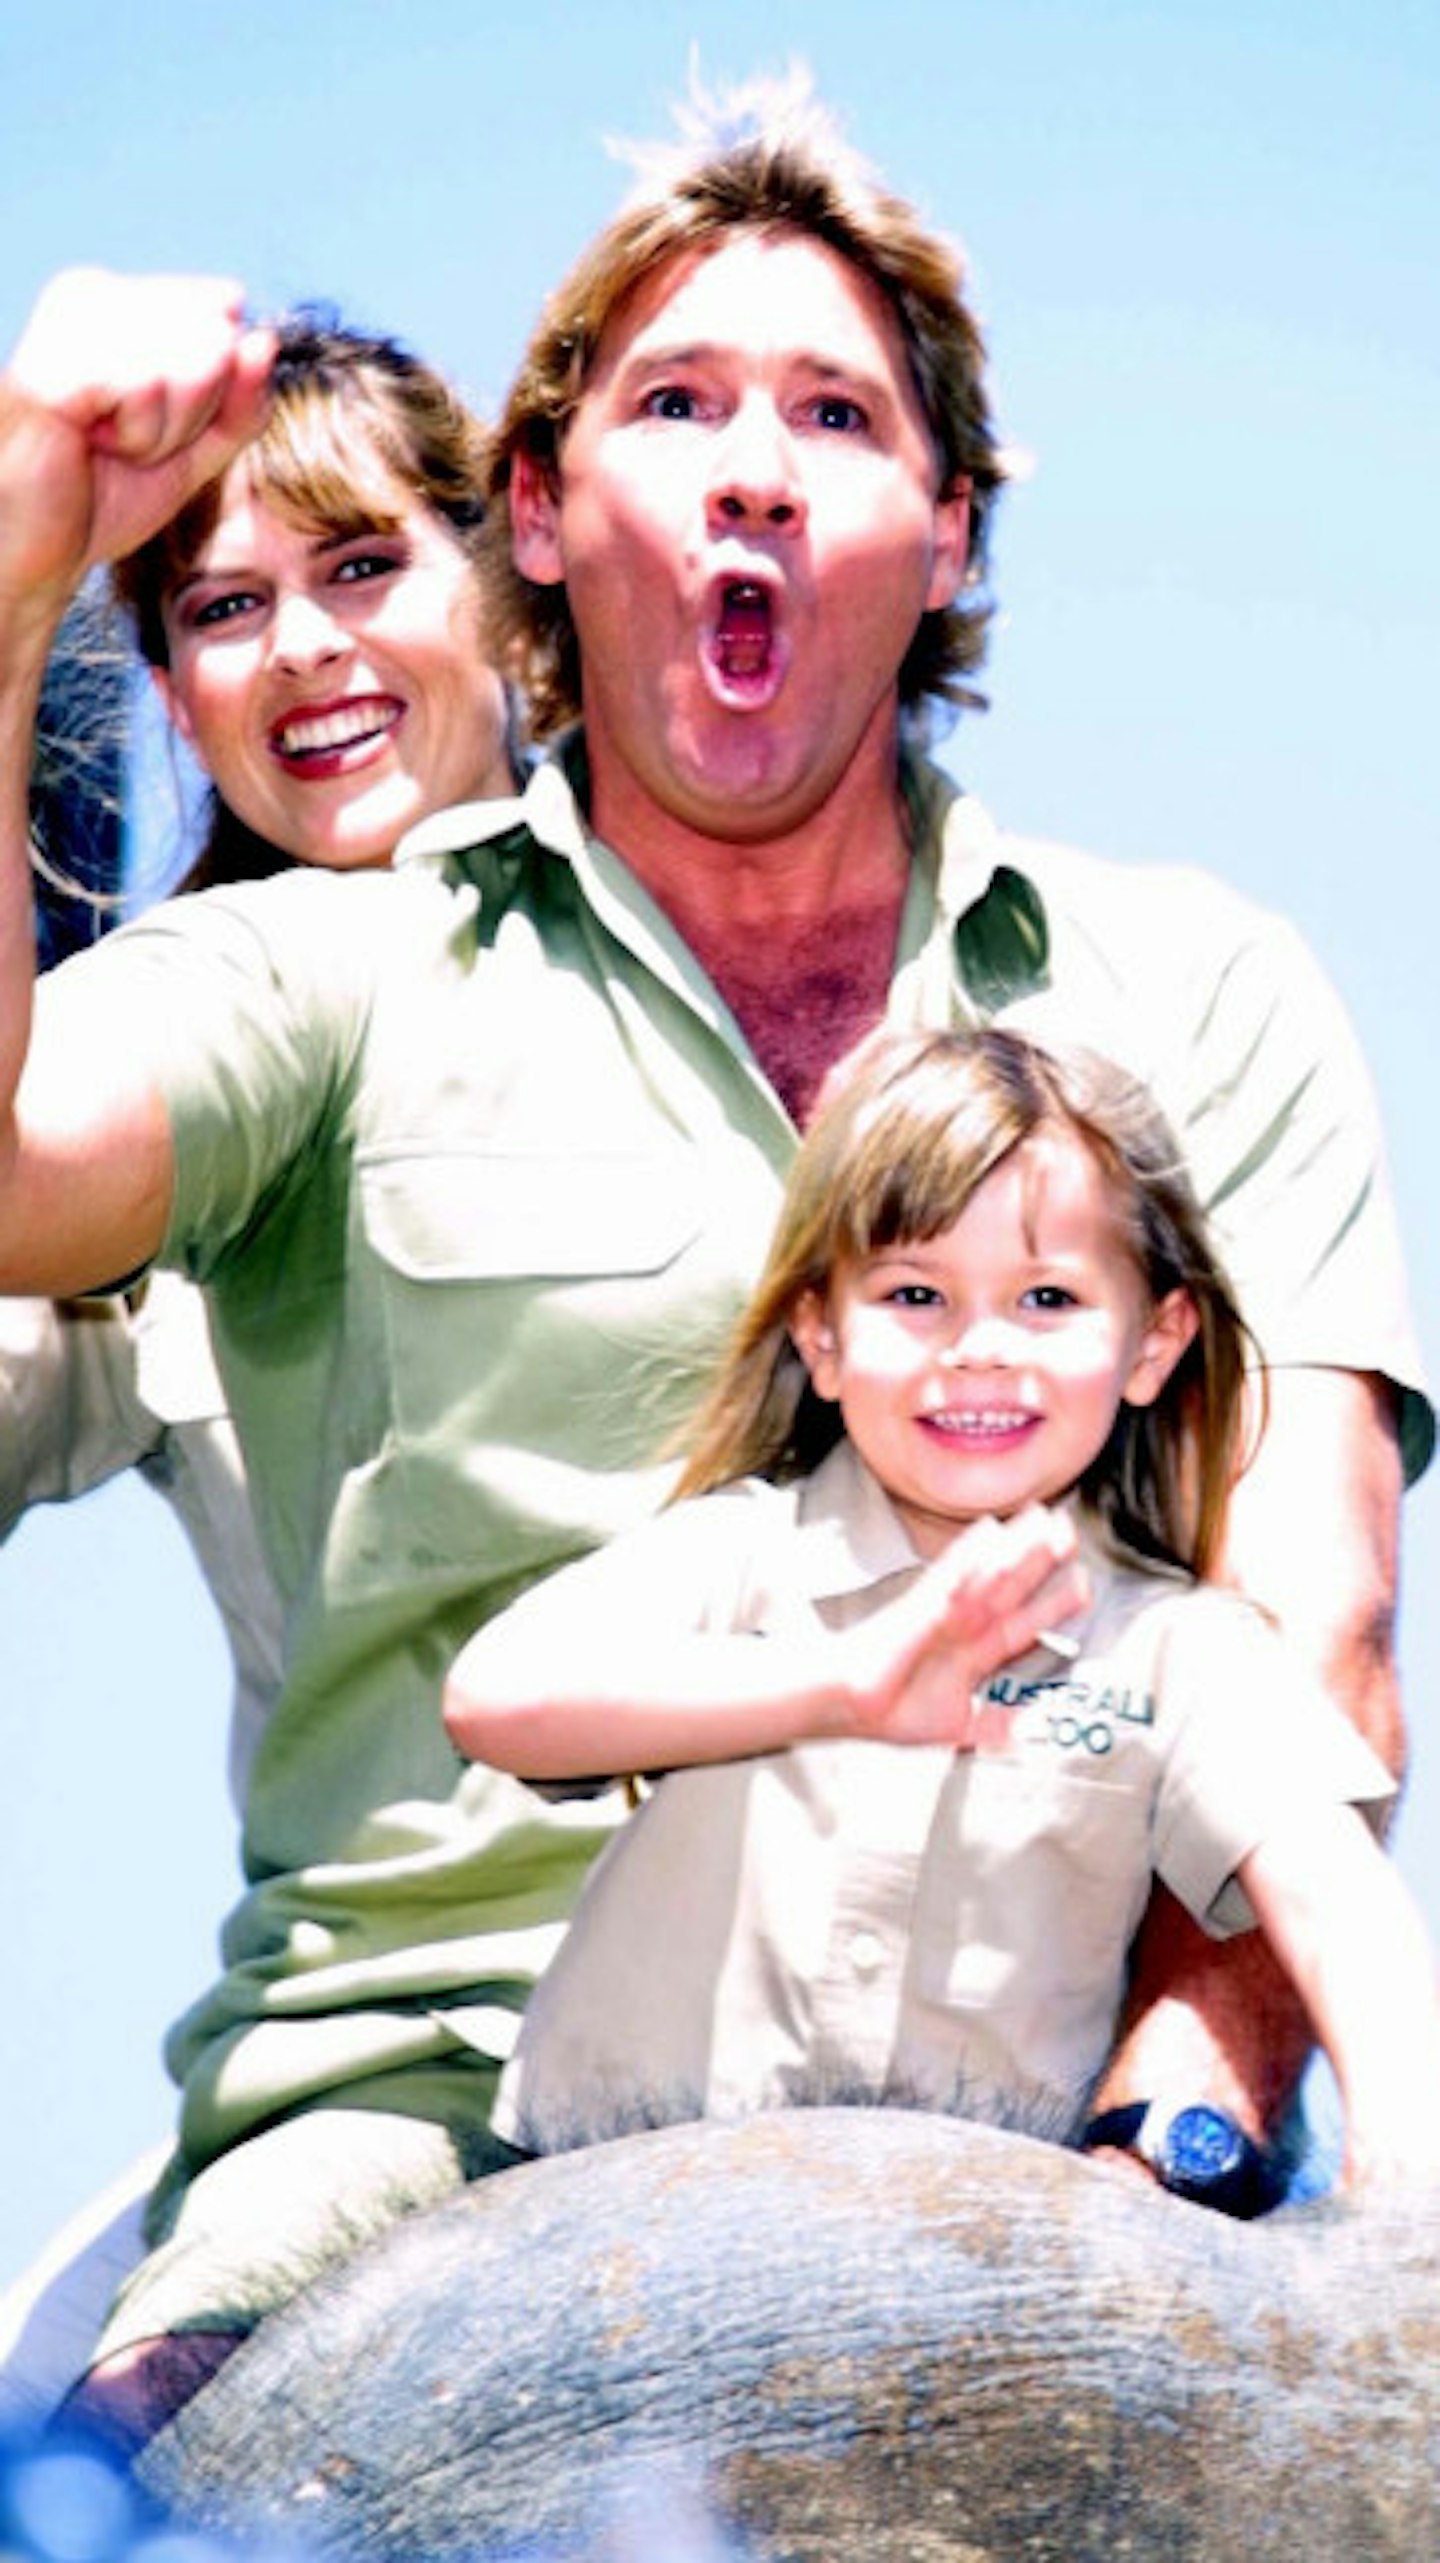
762	155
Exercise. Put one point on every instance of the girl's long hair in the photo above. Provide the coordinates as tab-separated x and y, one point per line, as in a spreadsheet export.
906	1133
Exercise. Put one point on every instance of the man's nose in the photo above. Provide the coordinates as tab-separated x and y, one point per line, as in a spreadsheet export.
755	477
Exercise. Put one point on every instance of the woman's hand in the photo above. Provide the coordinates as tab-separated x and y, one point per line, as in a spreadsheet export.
983	1602
124	396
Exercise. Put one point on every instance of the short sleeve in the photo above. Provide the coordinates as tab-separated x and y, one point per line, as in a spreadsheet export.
1249	1736
71	1416
688	1572
251	999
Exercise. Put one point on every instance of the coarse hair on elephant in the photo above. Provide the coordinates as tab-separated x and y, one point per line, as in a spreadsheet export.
832	2334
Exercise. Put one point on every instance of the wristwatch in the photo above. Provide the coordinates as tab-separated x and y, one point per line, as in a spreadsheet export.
1199	2153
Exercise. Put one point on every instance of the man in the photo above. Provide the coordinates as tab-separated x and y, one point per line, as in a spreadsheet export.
477	1158
747	470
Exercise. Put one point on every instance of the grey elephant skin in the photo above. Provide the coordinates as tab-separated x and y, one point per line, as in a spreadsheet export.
838	2334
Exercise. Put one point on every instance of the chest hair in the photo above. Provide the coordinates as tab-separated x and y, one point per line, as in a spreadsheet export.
804	995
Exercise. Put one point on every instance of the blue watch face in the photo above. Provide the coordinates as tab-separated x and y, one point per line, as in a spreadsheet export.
1202	2147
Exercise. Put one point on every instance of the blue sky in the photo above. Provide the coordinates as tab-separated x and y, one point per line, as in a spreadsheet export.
1205	243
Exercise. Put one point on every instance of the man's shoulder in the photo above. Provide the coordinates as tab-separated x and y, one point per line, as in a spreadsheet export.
313	927
1077	881
1081	883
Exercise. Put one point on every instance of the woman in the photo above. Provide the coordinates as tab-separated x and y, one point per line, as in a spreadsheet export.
304	526
313	624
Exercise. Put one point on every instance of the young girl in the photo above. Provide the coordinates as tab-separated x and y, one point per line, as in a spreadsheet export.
881	1868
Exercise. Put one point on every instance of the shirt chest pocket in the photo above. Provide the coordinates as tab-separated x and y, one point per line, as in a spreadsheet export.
536	1314
1035	1881
485	1217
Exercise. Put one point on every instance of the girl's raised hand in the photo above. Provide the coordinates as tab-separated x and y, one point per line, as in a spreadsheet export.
984	1601
124	396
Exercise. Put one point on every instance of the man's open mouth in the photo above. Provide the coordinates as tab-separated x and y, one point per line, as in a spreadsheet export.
743	645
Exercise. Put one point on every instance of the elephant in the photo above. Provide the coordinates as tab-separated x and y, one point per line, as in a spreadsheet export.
822	2334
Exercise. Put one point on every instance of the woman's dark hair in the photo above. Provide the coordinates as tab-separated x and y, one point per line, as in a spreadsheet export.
352	418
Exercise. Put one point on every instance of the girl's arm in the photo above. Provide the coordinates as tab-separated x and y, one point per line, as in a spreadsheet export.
551	1692
1340	1919
123	397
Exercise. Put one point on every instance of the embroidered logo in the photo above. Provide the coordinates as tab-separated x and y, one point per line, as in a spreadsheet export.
1080	1717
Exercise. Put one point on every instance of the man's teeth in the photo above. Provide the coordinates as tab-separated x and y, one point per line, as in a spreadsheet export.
742	640
310	734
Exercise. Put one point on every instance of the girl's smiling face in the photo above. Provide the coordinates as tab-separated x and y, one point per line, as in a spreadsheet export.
333	686
981	1369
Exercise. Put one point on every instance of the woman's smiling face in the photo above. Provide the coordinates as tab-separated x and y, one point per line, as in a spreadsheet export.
334	686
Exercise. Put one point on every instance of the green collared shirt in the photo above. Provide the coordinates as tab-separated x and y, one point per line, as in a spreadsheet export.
476	1167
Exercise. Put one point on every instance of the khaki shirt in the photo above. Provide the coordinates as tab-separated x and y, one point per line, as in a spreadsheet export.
90	1388
476	1168
878	1922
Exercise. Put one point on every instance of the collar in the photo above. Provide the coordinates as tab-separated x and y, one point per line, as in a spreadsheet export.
549	812
848	1536
993	946
994	937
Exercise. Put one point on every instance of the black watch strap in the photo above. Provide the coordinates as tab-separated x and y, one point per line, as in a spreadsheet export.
1117	2127
1199	2153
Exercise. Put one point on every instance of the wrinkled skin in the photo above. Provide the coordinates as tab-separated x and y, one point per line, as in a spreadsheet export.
849	2334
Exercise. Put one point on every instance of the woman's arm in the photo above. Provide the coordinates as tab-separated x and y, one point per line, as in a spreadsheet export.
556	1690
1342	1922
123	397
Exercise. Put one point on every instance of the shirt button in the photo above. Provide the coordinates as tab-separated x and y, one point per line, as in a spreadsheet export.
867	1951
311	1943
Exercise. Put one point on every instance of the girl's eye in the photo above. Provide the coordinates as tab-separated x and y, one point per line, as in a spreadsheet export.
913	1295
1051	1298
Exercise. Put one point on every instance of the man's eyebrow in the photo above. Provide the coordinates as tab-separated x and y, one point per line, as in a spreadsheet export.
642	354
814	361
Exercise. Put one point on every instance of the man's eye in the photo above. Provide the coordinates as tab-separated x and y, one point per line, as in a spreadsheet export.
222	609
836	411
671	400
